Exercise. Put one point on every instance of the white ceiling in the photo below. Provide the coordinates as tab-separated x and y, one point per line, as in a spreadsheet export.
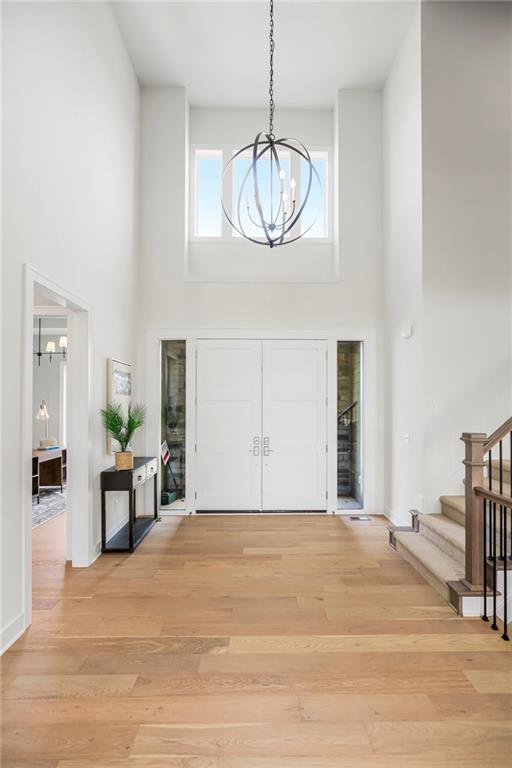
219	51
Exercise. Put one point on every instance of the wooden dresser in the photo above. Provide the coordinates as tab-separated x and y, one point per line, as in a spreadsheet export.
49	469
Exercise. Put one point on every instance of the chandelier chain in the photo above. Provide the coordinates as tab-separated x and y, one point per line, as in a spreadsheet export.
271	73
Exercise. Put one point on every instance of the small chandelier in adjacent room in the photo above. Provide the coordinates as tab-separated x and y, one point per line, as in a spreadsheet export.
50	346
266	210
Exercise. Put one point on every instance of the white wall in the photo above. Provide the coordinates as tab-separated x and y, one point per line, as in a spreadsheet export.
169	300
235	259
70	148
352	302
403	278
466	104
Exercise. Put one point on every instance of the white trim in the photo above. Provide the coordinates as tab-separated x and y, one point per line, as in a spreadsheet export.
63	402
12	632
372	497
80	429
227	235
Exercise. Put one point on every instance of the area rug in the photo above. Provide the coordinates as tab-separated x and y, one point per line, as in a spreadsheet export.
50	505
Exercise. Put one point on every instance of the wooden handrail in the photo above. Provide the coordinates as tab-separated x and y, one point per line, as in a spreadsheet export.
347	409
498	435
499	498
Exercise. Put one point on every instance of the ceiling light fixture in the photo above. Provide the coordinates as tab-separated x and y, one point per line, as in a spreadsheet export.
266	210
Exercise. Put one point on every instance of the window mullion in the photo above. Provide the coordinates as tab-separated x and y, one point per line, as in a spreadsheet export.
227	193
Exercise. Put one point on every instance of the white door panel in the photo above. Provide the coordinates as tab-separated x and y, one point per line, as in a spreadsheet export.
228	421
294	425
261	437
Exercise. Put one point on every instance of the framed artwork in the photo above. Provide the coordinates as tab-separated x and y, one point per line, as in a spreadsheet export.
119	390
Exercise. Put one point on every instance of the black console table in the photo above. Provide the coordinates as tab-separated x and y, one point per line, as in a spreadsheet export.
132	533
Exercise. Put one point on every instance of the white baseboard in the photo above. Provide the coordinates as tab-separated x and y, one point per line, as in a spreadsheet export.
473	606
173	513
12	632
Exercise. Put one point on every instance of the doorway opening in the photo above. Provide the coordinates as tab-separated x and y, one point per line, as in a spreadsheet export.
173	425
49	425
349	425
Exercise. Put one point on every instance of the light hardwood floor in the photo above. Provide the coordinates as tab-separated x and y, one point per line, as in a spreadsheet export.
251	642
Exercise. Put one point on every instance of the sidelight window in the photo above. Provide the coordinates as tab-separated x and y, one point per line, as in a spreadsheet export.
349	425
173	424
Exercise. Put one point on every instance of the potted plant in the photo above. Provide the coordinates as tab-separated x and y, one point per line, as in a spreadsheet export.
122	429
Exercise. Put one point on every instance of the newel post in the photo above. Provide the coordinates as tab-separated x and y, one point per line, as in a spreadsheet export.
474	463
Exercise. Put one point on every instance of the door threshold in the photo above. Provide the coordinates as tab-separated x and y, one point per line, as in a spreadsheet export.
261	512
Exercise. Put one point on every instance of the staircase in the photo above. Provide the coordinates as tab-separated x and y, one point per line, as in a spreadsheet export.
436	544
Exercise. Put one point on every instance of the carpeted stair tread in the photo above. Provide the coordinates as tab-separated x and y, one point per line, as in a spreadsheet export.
436	566
446	528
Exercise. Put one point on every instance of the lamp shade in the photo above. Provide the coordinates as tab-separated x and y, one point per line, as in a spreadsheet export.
63	342
50	347
42	414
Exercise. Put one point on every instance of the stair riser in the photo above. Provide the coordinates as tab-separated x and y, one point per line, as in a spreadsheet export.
453	514
445	546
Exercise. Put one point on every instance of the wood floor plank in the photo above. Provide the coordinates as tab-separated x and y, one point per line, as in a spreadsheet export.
144	762
341	708
302	739
419	682
60	741
486	681
225	708
64	686
366	643
485	738
250	642
370	760
473	706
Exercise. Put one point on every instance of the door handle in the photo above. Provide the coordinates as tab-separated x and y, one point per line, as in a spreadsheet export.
255	450
267	450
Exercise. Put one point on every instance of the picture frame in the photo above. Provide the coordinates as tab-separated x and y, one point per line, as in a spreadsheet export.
119	390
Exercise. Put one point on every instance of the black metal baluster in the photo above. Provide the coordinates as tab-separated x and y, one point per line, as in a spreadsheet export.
491	553
505	590
501	492
510	483
494	625
485	617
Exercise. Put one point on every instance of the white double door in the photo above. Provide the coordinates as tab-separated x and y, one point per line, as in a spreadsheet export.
261	425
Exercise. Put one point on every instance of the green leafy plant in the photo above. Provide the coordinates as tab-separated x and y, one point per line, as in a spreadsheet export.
122	428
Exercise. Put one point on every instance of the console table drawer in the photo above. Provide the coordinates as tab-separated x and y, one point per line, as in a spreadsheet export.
151	468
139	476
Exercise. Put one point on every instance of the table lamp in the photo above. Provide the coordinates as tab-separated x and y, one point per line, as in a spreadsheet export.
43	415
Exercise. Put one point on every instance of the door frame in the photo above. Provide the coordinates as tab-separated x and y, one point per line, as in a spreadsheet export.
80	550
372	428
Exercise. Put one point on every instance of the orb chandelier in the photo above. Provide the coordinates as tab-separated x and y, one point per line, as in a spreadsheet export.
266	210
